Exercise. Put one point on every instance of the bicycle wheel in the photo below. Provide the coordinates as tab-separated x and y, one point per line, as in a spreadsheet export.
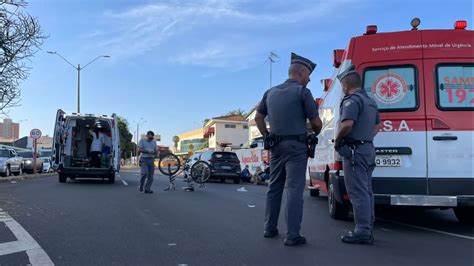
200	172
169	164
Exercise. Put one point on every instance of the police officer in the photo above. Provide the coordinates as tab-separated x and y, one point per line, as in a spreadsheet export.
359	123
288	106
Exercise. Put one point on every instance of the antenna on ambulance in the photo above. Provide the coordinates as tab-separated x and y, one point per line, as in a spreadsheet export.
272	58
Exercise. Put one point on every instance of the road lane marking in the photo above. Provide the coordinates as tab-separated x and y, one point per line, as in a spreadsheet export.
124	183
24	242
429	229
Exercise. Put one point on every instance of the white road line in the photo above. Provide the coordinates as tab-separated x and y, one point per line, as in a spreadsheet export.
429	229
25	242
124	183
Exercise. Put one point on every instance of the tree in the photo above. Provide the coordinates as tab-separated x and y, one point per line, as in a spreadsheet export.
176	141
237	112
125	137
20	39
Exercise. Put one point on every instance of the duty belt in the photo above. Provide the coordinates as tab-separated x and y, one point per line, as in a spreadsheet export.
301	138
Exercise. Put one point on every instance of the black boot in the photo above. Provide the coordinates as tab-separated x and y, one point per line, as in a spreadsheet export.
301	240
355	238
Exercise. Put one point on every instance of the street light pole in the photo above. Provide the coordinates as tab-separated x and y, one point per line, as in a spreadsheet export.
78	69
78	88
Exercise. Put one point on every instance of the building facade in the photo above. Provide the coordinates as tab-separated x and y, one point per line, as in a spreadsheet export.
192	141
227	131
45	142
9	131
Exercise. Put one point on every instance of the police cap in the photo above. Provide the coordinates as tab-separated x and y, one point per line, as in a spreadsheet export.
351	70
296	59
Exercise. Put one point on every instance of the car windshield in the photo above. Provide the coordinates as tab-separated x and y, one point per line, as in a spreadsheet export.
46	160
3	153
46	153
225	156
26	154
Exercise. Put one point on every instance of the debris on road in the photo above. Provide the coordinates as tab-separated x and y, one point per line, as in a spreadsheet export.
251	206
242	189
172	244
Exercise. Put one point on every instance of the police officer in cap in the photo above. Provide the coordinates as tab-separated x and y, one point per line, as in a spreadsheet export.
288	107
359	123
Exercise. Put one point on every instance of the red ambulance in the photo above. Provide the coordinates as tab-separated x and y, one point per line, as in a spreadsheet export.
423	83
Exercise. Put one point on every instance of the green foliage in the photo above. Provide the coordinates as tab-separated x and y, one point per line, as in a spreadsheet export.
125	137
237	112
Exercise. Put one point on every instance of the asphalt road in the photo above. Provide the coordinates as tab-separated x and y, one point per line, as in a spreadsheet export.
95	223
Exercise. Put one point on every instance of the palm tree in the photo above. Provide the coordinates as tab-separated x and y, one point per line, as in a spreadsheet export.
176	141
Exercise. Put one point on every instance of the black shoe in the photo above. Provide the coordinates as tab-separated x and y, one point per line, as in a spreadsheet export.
301	240
270	234
354	238
140	189
148	191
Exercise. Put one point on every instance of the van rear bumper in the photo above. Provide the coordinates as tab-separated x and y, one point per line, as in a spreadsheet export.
424	200
79	172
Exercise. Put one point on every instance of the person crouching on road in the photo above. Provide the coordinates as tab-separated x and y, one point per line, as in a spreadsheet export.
288	107
147	148
246	176
359	123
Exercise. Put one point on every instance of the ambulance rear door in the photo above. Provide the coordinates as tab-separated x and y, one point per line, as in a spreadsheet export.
398	89
58	139
449	71
116	143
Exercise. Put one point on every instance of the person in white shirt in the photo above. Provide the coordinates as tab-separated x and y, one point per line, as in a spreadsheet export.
96	148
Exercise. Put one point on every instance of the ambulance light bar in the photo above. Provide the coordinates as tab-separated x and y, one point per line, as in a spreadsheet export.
371	29
460	25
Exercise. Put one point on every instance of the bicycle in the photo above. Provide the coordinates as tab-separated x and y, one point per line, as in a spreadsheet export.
170	165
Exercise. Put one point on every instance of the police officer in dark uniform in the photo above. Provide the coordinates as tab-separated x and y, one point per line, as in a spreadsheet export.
288	107
359	123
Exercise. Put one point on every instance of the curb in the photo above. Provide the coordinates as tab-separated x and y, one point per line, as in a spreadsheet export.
24	177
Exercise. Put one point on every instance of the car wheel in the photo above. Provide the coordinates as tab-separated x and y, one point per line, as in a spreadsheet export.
62	179
222	179
7	171
465	215
338	211
314	192
236	180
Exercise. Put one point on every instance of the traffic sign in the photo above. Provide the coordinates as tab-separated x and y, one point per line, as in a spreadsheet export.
35	133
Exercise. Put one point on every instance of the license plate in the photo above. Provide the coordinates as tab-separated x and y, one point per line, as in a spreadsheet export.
388	160
226	167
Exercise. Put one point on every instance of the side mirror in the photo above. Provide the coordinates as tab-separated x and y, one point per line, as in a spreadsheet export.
326	84
195	159
253	145
337	57
319	101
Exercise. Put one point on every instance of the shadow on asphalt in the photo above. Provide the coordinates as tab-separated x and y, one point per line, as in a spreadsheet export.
88	182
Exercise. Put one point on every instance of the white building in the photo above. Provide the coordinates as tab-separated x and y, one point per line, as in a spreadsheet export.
227	131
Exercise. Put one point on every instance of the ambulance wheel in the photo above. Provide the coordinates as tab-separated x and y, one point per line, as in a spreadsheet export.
62	179
314	192
112	179
337	210
465	215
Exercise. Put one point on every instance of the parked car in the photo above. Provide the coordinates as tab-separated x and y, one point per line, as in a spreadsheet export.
10	162
47	167
28	162
223	165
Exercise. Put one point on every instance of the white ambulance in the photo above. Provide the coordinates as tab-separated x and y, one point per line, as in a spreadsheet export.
71	156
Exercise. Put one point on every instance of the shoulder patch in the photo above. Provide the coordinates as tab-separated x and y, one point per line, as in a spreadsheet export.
347	103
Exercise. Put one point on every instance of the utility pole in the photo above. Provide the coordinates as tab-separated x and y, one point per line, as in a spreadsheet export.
272	58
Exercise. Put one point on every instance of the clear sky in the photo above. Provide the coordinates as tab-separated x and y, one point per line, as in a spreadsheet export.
177	62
